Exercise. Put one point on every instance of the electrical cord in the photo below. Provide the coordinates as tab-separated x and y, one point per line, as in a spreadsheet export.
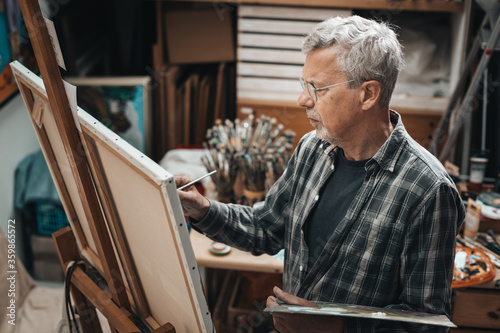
70	313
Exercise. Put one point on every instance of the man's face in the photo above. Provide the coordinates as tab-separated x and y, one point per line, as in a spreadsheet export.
336	112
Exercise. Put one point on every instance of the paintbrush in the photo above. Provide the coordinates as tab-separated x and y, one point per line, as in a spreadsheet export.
197	180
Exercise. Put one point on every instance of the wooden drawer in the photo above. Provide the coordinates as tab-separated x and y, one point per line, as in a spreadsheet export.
476	308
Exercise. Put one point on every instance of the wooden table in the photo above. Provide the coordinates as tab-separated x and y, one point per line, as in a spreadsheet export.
221	277
234	260
477	308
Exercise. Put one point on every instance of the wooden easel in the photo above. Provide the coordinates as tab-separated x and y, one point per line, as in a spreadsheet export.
114	304
88	296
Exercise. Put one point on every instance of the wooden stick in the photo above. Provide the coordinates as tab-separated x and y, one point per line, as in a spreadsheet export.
58	100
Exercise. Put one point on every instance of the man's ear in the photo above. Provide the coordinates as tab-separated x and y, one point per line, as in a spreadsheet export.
370	95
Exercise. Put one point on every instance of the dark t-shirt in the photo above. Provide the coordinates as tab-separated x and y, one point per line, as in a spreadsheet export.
334	200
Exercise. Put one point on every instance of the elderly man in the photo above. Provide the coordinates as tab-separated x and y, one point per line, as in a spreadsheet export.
366	216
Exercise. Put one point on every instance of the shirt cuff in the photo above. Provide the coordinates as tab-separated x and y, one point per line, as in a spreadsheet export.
208	225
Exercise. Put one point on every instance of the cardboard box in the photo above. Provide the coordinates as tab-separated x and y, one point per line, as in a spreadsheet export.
46	264
199	36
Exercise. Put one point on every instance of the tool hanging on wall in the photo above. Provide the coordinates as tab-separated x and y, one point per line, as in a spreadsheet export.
467	105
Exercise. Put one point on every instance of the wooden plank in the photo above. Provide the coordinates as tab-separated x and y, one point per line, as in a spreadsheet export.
299	13
435	105
167	328
269	96
68	251
274	56
269	70
116	317
269	84
271	41
179	112
219	108
274	26
84	237
389	6
37	113
252	103
158	86
194	106
159	47
469	330
204	107
66	246
283	89
112	215
188	88
172	76
49	71
161	123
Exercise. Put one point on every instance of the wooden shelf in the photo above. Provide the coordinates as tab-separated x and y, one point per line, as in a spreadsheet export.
420	123
418	109
388	5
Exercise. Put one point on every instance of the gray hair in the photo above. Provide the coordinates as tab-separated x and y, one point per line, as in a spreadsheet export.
366	50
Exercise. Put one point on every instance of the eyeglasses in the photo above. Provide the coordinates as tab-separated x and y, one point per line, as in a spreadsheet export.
312	91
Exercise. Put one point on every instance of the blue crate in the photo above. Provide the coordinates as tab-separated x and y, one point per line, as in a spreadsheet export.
50	218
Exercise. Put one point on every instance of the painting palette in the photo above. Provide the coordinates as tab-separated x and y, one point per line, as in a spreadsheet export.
472	266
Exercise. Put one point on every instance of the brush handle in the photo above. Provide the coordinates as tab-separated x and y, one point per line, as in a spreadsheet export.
197	180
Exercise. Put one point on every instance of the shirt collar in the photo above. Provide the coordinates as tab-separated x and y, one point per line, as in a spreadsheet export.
387	156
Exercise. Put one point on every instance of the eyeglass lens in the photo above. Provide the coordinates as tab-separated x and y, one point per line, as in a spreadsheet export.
310	89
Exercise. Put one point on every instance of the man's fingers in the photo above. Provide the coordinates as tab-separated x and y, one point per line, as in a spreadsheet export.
290	299
181	180
271	301
284	296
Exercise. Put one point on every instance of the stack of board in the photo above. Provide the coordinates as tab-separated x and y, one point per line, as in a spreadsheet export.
269	56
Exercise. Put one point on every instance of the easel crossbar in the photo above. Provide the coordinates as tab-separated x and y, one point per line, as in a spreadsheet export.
119	319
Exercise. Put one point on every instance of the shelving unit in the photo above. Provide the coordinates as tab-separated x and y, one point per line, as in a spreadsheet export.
390	5
421	114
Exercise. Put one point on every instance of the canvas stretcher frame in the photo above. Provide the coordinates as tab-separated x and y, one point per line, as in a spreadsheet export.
73	183
155	257
62	168
145	218
75	167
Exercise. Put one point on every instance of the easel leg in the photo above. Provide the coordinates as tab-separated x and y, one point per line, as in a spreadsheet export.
88	315
68	251
167	328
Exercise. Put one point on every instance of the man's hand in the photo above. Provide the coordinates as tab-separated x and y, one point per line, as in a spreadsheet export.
193	203
289	323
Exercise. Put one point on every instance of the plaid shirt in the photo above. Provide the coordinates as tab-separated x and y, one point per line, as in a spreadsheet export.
394	248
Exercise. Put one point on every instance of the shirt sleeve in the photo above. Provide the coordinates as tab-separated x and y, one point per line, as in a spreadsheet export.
427	261
258	230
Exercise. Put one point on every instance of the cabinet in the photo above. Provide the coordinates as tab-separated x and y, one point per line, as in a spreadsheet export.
477	308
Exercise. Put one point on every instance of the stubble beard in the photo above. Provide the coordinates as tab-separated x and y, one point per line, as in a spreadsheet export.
321	131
